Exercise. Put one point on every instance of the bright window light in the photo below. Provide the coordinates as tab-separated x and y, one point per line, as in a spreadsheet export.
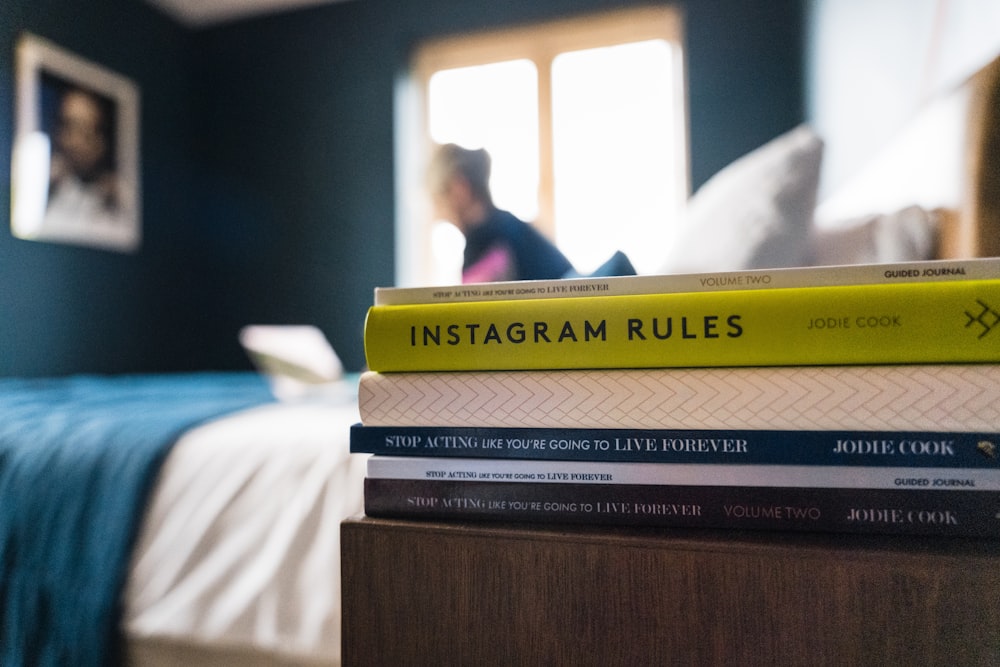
494	107
447	245
584	118
615	185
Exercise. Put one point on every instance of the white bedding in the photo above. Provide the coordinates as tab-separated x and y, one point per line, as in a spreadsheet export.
239	554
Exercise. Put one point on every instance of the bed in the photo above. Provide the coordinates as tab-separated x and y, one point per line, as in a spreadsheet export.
146	518
179	518
238	560
194	518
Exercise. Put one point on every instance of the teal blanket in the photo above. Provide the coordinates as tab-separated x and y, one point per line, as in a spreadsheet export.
78	457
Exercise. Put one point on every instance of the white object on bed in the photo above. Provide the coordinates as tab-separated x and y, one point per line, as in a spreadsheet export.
755	213
907	235
887	212
239	554
297	360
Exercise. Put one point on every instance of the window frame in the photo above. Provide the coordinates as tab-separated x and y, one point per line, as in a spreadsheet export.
540	43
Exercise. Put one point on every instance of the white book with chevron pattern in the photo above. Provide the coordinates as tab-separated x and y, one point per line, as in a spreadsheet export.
945	397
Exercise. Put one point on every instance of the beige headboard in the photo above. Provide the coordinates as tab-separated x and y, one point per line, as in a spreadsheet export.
974	230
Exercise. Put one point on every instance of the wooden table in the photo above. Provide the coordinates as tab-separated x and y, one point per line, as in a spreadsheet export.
421	593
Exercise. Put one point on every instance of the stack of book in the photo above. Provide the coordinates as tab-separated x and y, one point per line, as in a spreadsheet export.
860	399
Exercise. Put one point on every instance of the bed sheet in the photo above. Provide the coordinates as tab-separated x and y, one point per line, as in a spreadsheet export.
239	550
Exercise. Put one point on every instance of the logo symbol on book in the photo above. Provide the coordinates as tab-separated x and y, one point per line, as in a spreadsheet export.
987	318
987	449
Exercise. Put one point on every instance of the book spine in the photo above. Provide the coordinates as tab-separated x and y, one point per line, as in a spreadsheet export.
919	397
689	474
901	512
679	446
901	323
934	270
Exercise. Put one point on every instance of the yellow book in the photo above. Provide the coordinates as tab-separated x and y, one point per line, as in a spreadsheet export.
898	323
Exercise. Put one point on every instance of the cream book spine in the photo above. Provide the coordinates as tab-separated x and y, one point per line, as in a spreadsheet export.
809	276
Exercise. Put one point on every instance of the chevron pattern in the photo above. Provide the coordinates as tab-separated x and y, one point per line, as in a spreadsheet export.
900	398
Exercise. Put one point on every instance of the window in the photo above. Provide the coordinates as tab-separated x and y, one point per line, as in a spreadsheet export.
584	120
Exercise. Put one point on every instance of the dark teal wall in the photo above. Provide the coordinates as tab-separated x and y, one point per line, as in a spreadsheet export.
69	309
745	77
268	168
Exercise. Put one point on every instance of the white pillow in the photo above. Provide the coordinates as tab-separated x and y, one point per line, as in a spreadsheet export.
755	213
906	235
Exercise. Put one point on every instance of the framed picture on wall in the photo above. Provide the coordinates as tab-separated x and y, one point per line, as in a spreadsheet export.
75	171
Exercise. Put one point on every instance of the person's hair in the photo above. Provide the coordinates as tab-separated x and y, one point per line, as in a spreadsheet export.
473	165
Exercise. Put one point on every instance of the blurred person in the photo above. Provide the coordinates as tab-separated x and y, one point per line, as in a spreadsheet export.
498	245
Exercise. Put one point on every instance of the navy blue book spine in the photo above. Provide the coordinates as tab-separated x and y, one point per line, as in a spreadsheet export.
827	448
